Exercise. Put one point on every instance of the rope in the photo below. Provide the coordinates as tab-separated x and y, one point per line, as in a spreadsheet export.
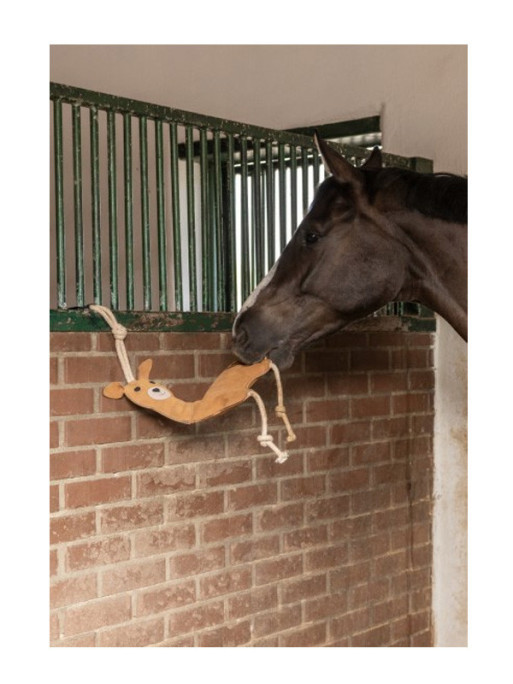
280	408
119	332
264	438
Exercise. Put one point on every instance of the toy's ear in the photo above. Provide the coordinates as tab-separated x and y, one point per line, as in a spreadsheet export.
143	372
114	391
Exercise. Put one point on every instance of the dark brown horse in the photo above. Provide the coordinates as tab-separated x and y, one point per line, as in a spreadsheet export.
372	235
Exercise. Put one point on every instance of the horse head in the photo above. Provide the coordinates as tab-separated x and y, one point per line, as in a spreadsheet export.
360	246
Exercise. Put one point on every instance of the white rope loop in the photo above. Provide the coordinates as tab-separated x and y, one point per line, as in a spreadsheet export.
265	439
119	332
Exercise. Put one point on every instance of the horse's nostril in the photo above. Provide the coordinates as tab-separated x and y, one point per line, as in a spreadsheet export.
242	336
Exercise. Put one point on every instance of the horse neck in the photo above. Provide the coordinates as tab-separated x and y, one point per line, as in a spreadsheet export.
437	273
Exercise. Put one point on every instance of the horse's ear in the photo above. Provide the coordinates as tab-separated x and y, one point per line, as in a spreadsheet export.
375	161
335	162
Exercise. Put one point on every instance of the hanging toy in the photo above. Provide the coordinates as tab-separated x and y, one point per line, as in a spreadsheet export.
230	388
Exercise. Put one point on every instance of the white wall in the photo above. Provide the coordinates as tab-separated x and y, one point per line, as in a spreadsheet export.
421	94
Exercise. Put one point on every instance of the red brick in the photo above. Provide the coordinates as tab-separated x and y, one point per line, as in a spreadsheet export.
135	341
365	594
278	569
364	502
54	498
350	623
91	616
166	480
132	457
98	491
228	636
54	434
211	365
164	539
323	558
137	574
72	527
197	562
378	636
252	602
324	509
389	382
227	582
150	425
92	369
419	402
349	480
145	633
321	361
252	496
72	464
367	407
222	474
295	591
103	552
376	452
131	517
348	384
224	528
350	432
305	537
279	620
390	427
421	380
70	342
302	487
165	598
196	449
169	367
194	505
97	431
255	549
308	636
369	359
185	342
73	590
328	459
325	607
196	618
323	410
68	402
280	517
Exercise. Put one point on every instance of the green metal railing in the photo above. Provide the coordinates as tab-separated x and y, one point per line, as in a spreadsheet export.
166	216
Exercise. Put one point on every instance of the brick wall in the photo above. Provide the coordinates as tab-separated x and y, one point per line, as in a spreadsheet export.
170	535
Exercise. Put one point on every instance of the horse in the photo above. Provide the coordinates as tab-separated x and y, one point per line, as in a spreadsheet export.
372	235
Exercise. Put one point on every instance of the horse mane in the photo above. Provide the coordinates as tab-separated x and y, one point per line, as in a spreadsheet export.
438	195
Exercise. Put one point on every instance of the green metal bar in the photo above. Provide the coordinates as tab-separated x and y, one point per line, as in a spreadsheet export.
95	195
191	224
269	182
59	205
129	224
220	238
258	228
206	251
77	203
113	218
293	190
282	196
230	219
145	212
177	242
304	168
161	216
244	239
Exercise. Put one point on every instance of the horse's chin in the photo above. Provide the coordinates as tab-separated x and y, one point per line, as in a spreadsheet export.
283	357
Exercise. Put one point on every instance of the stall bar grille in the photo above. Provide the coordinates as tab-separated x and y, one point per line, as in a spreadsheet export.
160	210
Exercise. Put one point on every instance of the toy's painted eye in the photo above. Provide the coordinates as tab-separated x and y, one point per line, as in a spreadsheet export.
158	393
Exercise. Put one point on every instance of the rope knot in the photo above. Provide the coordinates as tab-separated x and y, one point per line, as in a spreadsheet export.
265	440
119	331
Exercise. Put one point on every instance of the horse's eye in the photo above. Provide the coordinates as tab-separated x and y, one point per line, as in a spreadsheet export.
311	238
